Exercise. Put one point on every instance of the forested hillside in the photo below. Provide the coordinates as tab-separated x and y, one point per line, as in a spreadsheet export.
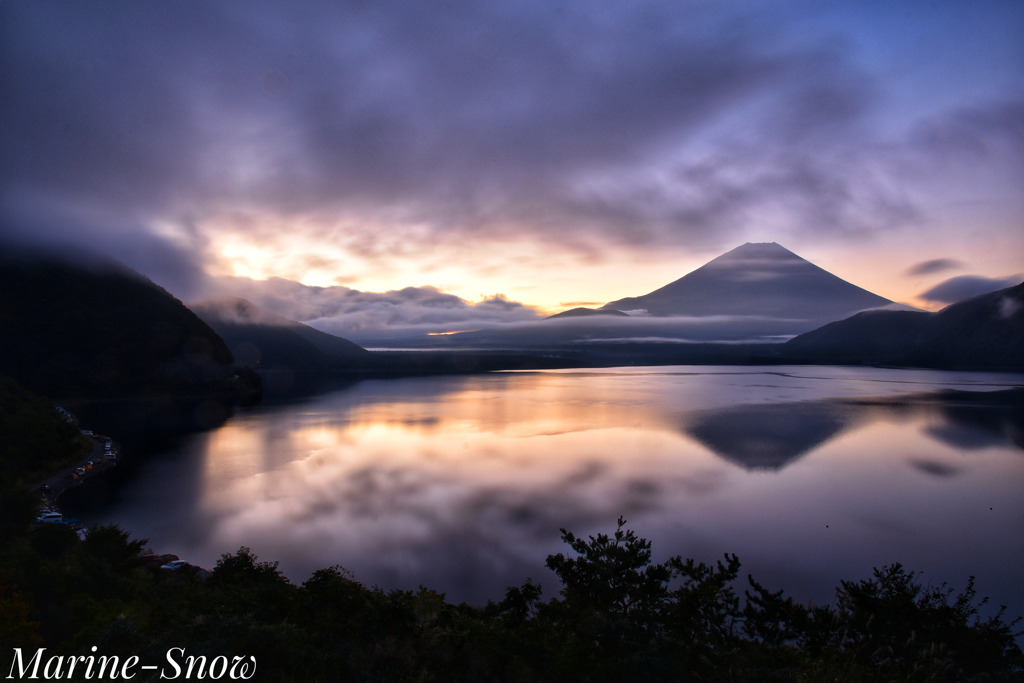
77	330
984	332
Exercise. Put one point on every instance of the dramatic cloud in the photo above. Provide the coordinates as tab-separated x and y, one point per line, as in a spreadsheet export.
965	286
367	315
934	266
454	143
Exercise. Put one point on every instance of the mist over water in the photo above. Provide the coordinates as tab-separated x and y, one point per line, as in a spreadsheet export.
809	474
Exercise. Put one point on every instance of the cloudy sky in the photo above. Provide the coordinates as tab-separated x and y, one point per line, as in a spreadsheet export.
505	159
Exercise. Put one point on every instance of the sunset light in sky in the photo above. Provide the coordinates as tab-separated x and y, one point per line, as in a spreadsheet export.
555	154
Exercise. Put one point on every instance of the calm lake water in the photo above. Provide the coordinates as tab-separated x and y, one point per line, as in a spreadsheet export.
809	474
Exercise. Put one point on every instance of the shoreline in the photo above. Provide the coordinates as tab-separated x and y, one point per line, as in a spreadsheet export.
53	486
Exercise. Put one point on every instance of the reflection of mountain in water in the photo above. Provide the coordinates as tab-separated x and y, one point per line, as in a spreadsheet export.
976	424
769	437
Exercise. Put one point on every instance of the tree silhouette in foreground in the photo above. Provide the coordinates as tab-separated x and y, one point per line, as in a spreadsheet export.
617	617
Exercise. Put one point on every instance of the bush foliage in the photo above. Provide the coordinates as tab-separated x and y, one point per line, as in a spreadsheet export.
34	439
617	617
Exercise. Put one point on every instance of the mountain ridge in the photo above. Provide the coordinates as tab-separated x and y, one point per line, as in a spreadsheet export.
260	339
985	331
99	329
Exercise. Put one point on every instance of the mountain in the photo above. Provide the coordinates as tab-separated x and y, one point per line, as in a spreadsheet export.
586	312
260	339
75	329
762	279
757	293
985	331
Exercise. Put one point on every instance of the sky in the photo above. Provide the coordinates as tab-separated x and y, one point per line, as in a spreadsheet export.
373	164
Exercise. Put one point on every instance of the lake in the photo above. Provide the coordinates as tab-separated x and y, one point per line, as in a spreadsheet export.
809	474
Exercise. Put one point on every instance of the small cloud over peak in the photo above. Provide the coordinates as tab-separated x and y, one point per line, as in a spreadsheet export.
965	286
934	266
500	301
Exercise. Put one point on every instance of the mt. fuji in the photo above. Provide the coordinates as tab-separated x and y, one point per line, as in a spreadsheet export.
763	279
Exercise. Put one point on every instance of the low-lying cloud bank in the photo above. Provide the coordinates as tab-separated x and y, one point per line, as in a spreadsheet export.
357	315
427	316
640	329
965	286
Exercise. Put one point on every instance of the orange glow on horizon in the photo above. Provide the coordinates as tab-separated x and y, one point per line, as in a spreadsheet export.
552	278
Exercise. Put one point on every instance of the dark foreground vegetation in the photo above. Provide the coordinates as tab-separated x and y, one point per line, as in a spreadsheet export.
34	440
616	617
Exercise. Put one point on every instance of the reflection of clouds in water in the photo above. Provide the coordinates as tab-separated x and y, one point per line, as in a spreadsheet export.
703	483
365	492
935	468
587	472
430	492
407	525
890	526
462	483
377	496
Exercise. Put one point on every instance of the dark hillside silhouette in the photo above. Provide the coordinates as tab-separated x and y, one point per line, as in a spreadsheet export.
261	340
288	353
985	331
36	440
91	330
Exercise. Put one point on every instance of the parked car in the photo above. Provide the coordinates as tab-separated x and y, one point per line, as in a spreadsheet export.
176	564
50	517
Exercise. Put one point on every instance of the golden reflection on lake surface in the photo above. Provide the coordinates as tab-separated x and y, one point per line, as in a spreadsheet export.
462	483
